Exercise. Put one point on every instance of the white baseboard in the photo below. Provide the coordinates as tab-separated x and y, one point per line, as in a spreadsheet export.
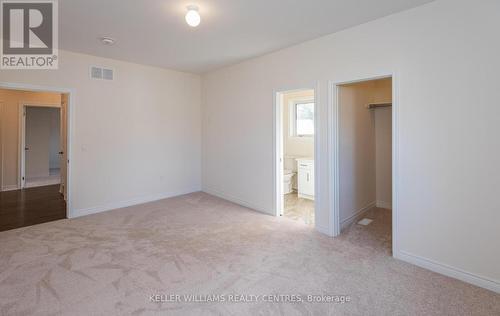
492	285
238	201
324	230
383	204
358	214
131	202
11	187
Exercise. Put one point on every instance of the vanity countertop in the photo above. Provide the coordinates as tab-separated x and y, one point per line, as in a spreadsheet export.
305	159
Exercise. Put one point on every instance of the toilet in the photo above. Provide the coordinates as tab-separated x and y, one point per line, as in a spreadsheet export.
288	181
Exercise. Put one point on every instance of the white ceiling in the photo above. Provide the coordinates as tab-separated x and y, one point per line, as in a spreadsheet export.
154	32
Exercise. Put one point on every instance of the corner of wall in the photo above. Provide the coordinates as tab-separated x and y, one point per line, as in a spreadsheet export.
223	195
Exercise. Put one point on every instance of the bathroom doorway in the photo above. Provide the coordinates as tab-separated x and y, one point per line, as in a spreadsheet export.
295	143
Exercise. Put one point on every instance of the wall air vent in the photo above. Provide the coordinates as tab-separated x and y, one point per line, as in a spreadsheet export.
107	74
100	73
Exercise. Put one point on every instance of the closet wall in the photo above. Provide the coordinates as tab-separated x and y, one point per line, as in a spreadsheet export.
365	148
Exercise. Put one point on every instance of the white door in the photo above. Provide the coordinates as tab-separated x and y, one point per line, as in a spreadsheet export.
309	188
302	180
37	139
306	181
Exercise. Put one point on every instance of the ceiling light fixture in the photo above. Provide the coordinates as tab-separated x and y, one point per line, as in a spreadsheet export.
193	16
107	40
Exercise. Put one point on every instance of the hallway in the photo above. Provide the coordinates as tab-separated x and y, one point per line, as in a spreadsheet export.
31	206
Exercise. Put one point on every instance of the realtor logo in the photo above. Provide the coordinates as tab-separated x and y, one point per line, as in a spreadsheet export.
29	34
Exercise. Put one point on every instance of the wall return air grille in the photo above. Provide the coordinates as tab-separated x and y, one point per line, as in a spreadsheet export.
99	73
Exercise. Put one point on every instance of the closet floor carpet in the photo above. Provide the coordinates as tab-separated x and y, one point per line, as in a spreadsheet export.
114	263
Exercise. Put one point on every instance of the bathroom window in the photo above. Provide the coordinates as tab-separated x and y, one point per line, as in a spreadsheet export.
302	119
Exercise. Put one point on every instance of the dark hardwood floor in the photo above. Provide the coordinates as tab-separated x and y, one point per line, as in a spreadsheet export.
31	206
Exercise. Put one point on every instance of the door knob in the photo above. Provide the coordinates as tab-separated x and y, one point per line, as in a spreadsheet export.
26	148
61	152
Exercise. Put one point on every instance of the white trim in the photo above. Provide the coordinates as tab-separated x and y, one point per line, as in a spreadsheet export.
334	226
317	156
70	118
131	202
39	104
358	214
32	87
278	155
395	163
21	142
492	285
22	105
384	204
239	201
1	146
323	229
333	151
11	187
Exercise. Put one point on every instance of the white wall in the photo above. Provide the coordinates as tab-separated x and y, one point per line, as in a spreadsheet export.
445	58
135	139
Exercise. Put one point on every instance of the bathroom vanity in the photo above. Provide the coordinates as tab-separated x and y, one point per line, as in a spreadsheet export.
305	179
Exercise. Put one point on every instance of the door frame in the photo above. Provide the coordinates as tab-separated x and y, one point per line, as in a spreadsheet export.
22	135
1	146
334	150
278	154
70	120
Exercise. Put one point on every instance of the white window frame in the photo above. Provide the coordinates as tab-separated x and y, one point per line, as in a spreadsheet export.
292	109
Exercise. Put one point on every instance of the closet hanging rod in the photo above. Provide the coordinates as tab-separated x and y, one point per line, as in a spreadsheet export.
378	105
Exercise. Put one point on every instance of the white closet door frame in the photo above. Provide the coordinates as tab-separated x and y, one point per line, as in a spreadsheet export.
333	153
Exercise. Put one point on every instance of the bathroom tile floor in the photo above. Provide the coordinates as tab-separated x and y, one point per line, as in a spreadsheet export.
299	209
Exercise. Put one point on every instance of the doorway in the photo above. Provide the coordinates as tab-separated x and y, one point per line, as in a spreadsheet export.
295	131
34	158
363	160
42	146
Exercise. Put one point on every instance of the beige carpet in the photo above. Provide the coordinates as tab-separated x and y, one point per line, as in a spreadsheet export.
111	263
